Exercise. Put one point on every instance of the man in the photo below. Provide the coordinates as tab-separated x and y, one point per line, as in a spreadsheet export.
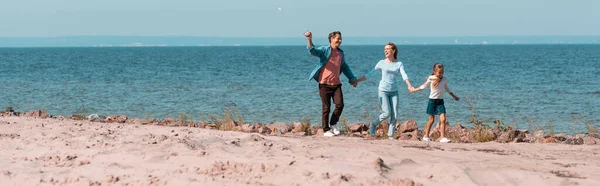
327	74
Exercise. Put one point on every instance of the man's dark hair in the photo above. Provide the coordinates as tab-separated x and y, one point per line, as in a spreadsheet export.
332	34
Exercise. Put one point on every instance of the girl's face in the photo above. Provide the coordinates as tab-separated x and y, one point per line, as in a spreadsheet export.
439	72
388	51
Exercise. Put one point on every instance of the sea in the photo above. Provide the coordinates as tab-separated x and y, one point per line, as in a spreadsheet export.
555	87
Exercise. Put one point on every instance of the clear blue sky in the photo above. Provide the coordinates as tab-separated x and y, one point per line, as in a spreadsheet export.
260	18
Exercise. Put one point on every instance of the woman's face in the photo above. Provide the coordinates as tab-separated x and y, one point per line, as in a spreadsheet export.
388	51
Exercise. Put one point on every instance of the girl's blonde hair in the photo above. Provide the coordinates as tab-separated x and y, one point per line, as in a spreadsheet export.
438	70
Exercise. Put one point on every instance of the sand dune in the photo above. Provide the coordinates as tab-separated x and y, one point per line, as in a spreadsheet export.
70	152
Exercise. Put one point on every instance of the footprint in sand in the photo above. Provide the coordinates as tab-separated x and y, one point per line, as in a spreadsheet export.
380	166
407	162
253	137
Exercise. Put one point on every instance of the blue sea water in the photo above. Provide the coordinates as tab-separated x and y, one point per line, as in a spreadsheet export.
522	85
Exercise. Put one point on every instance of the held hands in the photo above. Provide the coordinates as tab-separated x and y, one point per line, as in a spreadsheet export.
355	83
308	35
412	89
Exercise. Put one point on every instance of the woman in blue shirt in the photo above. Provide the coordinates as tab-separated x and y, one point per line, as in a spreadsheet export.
390	68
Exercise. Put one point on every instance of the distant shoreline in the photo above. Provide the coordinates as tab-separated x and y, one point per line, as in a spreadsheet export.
290	45
168	41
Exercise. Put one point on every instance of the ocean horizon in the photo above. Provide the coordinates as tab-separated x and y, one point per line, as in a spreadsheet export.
138	41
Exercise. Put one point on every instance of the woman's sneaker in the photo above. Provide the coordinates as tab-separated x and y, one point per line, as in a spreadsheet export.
393	139
426	139
444	140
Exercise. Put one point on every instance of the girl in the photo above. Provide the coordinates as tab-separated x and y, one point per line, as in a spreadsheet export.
437	83
388	89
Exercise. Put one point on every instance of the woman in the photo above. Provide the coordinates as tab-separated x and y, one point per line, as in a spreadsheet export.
390	68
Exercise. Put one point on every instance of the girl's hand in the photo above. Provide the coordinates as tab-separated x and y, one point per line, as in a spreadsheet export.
456	98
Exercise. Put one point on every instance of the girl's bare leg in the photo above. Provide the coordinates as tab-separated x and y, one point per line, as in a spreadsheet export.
429	123
442	125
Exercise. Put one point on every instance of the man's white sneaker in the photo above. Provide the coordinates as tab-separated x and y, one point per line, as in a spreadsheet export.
426	139
444	140
393	139
328	134
335	129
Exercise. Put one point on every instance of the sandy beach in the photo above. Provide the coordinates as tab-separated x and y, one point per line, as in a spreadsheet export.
55	151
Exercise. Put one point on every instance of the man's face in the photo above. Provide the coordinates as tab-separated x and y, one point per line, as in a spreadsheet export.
336	41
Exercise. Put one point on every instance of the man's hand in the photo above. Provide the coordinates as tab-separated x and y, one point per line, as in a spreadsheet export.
308	35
